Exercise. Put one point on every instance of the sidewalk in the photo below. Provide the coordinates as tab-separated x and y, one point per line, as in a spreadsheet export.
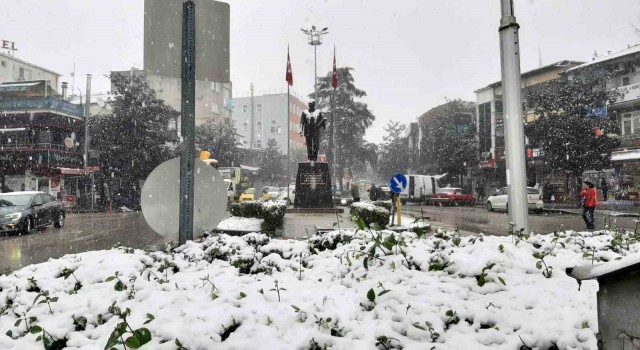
612	208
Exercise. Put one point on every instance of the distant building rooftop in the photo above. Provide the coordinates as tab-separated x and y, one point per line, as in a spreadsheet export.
540	70
29	63
631	50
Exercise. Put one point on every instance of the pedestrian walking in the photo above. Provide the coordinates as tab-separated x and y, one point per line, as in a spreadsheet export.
605	189
588	199
373	193
355	192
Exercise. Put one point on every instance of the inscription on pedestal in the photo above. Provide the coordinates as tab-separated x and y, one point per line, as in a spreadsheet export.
313	186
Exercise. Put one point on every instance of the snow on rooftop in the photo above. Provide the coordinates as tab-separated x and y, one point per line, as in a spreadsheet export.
628	51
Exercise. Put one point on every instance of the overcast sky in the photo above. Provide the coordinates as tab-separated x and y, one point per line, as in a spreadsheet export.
408	55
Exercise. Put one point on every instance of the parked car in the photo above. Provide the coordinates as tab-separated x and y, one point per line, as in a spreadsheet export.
499	200
451	196
275	193
384	191
28	210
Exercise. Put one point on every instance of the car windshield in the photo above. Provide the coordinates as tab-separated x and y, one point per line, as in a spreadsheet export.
13	200
532	191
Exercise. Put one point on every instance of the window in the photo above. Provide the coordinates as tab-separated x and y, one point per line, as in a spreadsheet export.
625	81
259	107
21	74
37	200
279	130
259	143
215	108
4	63
259	126
245	126
244	142
631	124
273	129
273	121
244	108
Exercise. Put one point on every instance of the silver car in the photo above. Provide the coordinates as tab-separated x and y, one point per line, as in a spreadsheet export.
500	200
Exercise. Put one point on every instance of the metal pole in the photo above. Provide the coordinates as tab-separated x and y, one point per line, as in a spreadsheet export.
87	113
288	146
331	158
514	129
315	74
187	121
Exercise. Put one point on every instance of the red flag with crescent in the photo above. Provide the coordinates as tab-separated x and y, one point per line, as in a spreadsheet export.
334	78
289	76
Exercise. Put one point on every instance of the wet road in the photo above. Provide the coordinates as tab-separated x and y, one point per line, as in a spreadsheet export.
82	232
478	219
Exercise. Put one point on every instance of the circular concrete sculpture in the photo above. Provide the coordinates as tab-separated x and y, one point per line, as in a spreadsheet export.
160	198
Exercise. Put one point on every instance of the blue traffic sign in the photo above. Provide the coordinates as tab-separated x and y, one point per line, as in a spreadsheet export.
398	183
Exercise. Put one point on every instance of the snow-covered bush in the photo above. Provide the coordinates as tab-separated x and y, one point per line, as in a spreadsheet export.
370	214
271	211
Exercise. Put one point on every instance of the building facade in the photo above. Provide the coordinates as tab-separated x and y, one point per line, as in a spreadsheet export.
41	139
213	100
13	69
624	70
490	123
261	118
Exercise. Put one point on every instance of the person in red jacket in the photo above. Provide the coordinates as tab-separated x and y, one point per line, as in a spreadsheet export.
588	196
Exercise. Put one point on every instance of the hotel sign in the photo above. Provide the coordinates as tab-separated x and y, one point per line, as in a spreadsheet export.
8	45
630	92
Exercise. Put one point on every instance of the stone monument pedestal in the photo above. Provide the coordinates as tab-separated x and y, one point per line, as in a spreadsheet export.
313	186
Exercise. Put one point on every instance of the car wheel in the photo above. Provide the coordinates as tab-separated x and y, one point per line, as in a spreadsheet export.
489	206
28	226
59	223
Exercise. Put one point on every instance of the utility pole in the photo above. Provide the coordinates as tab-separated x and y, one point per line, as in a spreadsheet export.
188	121
87	113
514	128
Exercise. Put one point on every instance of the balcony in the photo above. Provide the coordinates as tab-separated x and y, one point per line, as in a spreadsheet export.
41	103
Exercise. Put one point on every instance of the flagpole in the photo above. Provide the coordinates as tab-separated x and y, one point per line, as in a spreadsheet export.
288	130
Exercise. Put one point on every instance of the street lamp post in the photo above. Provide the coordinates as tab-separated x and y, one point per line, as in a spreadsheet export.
315	39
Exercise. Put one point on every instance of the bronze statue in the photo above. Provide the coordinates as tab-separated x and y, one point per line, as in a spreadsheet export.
310	124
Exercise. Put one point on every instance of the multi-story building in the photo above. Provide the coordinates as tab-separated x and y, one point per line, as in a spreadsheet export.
624	69
458	119
261	118
213	100
490	124
41	139
14	69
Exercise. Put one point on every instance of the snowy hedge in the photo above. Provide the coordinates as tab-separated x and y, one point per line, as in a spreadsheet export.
271	211
341	290
370	214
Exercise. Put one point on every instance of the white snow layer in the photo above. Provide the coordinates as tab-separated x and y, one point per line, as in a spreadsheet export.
236	223
199	290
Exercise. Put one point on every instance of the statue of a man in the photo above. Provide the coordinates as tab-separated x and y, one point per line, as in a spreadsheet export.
310	124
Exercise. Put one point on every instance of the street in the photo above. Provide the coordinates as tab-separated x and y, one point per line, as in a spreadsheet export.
478	219
81	233
84	232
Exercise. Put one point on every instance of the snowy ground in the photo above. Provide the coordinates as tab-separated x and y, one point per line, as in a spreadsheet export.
253	292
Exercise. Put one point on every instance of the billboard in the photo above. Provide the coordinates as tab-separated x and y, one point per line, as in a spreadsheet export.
163	39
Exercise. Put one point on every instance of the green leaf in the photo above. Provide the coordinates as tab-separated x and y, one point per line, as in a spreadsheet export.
110	278
119	286
54	299
417	325
9	334
501	280
295	308
349	260
113	341
150	318
539	265
35	329
383	292
242	295
449	313
39	338
177	342
18	321
132	342
365	262
143	335
586	254
585	324
371	295
329	319
481	280
36	298
361	224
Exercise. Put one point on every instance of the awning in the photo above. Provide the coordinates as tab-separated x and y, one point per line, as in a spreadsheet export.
18	86
621	156
72	171
249	168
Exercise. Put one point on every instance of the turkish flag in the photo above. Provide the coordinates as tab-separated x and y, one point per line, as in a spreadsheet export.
598	132
289	76
334	78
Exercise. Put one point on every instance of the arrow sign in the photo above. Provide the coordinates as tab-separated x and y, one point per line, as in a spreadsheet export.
398	183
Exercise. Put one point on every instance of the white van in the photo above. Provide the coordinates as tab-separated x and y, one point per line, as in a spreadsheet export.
420	188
